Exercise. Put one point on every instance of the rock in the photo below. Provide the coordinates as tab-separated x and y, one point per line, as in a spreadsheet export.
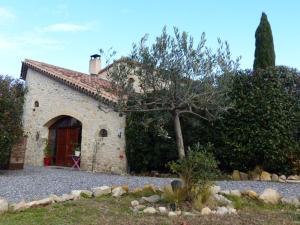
236	193
222	200
134	203
231	210
80	193
293	177
221	211
270	196
44	202
224	192
178	212
67	197
291	201
20	206
244	176
136	190
282	179
251	194
274	177
140	207
162	210
172	214
293	181
149	188
215	189
55	198
265	176
236	175
188	214
118	192
126	188
254	175
206	211
176	185
149	210
99	191
3	205
152	199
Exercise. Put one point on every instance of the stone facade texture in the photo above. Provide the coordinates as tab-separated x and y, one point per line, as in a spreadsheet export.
101	154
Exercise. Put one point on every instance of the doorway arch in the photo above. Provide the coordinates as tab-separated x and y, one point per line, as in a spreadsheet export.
64	138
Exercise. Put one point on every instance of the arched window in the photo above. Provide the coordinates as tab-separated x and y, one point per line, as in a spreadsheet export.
36	104
103	133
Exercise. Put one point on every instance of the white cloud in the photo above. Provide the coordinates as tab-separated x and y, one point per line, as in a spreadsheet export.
6	14
66	27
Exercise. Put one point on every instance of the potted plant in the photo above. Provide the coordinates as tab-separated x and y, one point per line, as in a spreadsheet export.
77	150
47	154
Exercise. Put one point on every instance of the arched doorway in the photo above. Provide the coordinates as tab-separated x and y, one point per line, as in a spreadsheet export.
64	139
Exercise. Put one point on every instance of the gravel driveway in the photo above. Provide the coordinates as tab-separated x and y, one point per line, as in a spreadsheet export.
38	182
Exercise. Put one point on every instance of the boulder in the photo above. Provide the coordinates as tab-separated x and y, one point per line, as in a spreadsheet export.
236	193
162	210
78	193
282	179
3	205
67	197
254	175
291	201
265	176
149	188
274	177
45	201
136	190
118	192
293	177
231	210
17	207
134	203
150	210
270	196
244	176
140	207
251	194
293	181
215	189
99	191
152	198
236	175
206	211
55	198
126	188
172	214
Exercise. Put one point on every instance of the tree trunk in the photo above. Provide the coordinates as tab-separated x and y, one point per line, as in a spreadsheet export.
179	138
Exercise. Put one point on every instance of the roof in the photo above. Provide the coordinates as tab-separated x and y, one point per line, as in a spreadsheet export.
82	82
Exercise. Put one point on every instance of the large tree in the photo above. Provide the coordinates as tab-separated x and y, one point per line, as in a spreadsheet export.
175	76
264	46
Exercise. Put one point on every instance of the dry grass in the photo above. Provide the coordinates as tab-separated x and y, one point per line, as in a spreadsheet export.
108	210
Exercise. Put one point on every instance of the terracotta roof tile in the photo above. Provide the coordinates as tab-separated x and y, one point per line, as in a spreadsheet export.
85	83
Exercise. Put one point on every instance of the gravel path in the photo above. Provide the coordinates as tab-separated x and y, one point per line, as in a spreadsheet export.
38	182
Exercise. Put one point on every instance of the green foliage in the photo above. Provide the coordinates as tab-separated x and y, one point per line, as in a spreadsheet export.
260	129
150	143
196	170
264	47
47	149
11	106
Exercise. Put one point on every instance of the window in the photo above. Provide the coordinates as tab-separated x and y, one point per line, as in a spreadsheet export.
103	133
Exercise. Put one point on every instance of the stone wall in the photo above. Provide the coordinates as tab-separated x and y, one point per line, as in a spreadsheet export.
17	155
56	99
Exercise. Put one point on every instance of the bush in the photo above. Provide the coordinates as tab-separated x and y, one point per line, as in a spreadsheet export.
11	107
261	128
150	142
196	170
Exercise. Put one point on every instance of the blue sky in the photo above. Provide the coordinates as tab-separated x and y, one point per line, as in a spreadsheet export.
67	32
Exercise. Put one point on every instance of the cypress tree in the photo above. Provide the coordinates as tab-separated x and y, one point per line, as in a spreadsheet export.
264	46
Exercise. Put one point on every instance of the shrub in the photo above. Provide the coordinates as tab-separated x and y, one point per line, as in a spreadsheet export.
261	128
11	107
196	170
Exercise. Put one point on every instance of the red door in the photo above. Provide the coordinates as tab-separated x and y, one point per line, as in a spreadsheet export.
67	139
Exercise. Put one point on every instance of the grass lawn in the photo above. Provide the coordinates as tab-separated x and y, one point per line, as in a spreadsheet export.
108	210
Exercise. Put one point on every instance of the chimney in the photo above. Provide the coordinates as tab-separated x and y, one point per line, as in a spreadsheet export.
95	64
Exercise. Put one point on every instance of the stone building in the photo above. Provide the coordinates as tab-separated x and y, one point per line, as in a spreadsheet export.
65	109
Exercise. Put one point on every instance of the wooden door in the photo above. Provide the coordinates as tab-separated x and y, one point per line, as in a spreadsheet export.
67	139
